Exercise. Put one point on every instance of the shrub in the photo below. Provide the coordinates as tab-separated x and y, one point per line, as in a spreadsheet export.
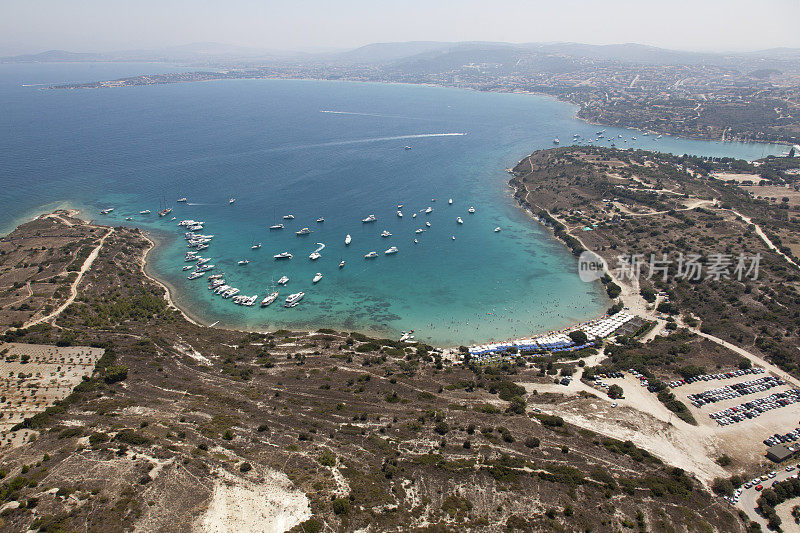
341	506
442	428
327	458
115	373
245	467
532	442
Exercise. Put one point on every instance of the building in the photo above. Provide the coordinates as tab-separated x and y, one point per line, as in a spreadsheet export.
778	453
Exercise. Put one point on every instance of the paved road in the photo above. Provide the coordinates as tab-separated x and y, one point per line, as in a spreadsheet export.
747	501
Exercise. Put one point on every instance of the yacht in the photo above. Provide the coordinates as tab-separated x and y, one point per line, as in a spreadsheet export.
283	281
392	250
128	218
370	218
244	262
230	292
222	288
204	268
304	231
406	147
202	260
216	276
283	255
183	200
195	275
231	200
341	263
385	233
348	239
419	230
556	141
416	241
144	212
165	212
320	219
450	201
288	217
459	220
453	237
314	256
271	297
414	215
202	246
428	224
399	206
371	255
399	213
471	210
429	210
317	277
106	211
277	226
256	246
497	229
187	267
294	299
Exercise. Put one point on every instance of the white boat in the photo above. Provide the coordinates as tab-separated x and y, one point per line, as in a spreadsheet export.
255	246
497	229
414	215
276	226
187	267
399	206
399	213
371	255
406	147
429	210
453	237
419	230
459	220
271	297
128	218
317	277
216	276
183	200
294	299
370	218
314	256
320	219
450	201
106	211
348	240
283	255
244	262
392	250
416	241
471	210
144	212
231	200
195	275
230	292
385	233
341	263
222	288
288	217
556	141
203	260
283	281
428	224
304	231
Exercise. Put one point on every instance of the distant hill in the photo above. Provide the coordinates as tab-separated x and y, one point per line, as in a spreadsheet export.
52	56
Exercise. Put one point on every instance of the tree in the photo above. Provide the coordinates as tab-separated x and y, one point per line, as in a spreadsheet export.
615	391
578	337
722	486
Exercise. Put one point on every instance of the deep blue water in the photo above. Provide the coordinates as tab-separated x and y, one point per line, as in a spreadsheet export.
269	144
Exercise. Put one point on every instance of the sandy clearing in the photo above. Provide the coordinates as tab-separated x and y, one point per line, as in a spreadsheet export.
239	504
784	511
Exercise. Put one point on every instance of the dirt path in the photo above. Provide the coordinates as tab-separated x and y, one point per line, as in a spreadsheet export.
764	237
74	287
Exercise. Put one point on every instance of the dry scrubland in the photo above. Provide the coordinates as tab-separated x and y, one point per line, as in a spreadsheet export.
183	426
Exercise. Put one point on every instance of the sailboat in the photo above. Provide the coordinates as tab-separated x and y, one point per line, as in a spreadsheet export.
165	210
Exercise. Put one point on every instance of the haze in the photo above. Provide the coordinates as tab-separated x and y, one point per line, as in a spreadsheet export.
314	25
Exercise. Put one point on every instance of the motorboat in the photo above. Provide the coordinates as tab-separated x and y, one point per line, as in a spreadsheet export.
230	292
165	212
304	231
187	267
320	219
406	147
471	210
283	255
497	229
244	262
271	297
288	217
317	277
203	260
106	211
128	218
428	224
429	210
216	276
256	246
231	200
341	263
414	215
370	218
348	240
283	281
419	230
294	299
416	241
385	233
183	200
453	237
399	213
371	255
399	206
392	250
450	201
556	141
195	275
314	256
459	220
144	212
277	226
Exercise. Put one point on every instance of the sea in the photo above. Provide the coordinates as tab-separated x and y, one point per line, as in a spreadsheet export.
315	149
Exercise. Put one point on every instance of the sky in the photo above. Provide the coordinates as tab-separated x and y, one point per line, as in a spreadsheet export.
312	25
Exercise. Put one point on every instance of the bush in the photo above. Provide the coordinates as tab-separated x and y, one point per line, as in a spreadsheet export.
115	373
615	391
442	428
722	486
327	458
532	442
341	506
245	467
578	337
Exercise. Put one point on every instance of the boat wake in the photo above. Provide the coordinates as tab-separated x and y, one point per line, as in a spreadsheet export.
321	247
379	115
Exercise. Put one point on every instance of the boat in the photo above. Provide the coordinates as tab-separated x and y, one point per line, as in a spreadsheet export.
556	141
271	297
187	267
429	210
406	147
320	219
428	224
385	233
203	260
317	277
399	206
256	246
165	212
144	212
348	240
497	229
453	237
341	263
205	268
202	246
304	231
283	281
231	200
400	214
471	210
230	292
414	215
283	255
243	262
276	226
314	256
128	218
459	220
288	217
370	218
195	275
294	299
450	201
371	255
216	276
416	241
392	250
419	230
183	200
106	211
222	288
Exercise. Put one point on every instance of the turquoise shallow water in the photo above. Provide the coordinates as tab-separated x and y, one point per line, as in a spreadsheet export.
277	148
